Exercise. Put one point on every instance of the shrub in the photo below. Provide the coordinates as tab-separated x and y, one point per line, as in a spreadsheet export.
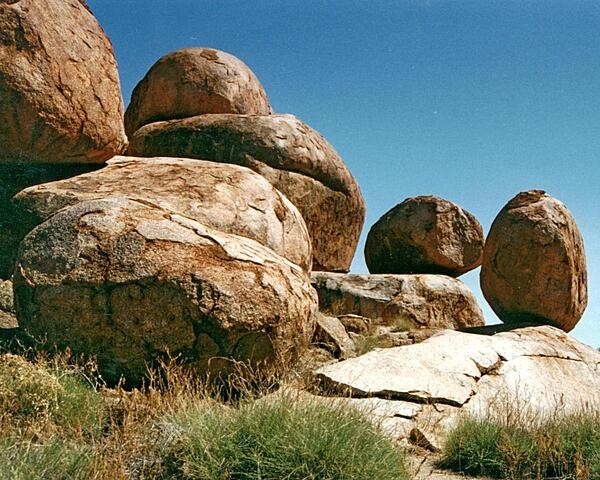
566	446
279	437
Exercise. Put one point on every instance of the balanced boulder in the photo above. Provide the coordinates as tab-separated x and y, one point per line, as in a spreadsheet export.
228	198
60	98
534	266
292	156
425	234
194	81
131	283
406	301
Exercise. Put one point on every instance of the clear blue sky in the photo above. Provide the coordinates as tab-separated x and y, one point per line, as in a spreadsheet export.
472	101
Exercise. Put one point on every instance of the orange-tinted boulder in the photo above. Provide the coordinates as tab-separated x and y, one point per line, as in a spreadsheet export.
60	98
195	81
534	263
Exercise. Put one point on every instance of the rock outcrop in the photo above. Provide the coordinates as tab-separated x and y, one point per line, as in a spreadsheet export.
228	198
293	157
8	320
130	283
534	265
534	370
410	301
60	98
425	234
195	81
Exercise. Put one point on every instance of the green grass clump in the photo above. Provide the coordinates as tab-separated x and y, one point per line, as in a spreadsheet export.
280	437
563	447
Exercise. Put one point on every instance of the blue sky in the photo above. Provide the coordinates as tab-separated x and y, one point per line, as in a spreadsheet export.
472	101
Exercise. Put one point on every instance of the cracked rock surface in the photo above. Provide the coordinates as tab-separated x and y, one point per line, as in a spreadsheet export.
534	265
425	234
60	95
296	159
412	301
536	369
195	81
228	198
131	283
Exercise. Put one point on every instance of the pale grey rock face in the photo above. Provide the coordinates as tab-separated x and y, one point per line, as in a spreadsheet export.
534	266
195	81
60	98
132	283
228	198
425	234
412	301
296	159
536	371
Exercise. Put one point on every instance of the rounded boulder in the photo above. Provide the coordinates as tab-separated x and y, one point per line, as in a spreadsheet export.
60	97
534	267
130	283
425	234
195	81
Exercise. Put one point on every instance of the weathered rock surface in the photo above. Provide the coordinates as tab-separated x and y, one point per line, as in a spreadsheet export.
425	234
131	283
412	301
195	81
534	266
534	370
14	223
228	198
60	98
8	320
331	335
293	157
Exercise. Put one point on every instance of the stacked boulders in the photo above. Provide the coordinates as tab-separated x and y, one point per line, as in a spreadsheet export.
204	255
226	118
412	252
534	267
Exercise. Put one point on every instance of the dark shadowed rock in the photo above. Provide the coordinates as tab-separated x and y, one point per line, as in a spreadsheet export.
293	157
534	263
16	222
195	81
60	98
425	234
131	283
228	198
410	301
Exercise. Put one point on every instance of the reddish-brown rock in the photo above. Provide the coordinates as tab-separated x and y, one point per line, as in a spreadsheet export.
132	283
425	234
195	81
292	156
60	98
228	198
534	263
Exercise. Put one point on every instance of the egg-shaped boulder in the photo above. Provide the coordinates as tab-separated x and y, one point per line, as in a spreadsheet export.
195	81
534	267
60	97
130	283
425	234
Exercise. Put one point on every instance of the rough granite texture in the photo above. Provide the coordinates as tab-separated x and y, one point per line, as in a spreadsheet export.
412	301
228	198
195	81
292	156
132	283
534	266
425	234
60	97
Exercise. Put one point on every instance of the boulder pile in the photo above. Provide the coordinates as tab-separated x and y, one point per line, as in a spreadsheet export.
223	236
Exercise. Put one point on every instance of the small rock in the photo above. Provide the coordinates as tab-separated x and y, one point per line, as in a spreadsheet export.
331	334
